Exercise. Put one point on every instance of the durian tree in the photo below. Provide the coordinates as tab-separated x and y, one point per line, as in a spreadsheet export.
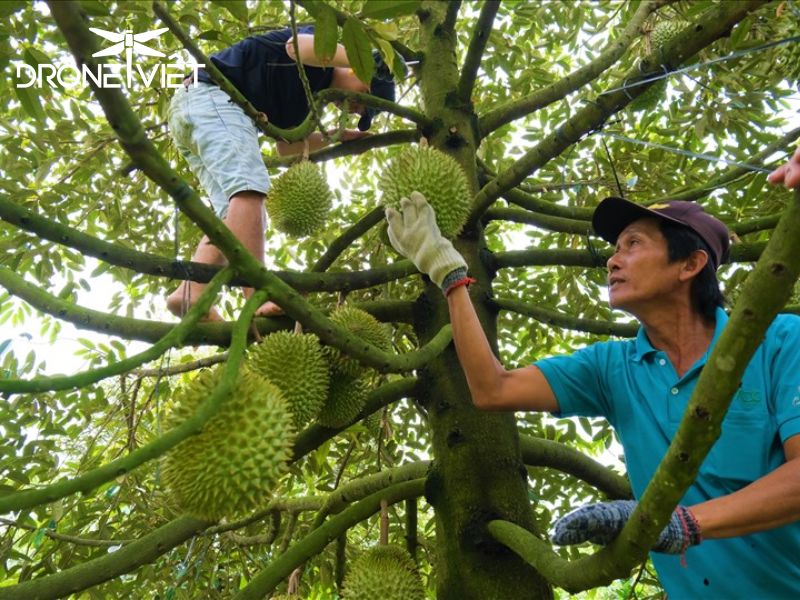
335	451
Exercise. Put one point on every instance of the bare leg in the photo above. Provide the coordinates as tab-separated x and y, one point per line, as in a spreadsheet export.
245	219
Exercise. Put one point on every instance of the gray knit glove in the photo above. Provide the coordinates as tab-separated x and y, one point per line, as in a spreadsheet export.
600	523
414	234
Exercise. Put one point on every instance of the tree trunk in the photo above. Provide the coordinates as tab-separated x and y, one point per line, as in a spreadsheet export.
477	474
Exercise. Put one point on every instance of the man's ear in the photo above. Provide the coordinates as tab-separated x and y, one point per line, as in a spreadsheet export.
693	264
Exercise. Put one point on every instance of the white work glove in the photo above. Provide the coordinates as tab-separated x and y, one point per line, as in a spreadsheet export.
414	234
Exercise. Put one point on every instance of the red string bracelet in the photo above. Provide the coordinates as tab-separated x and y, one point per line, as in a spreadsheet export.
459	283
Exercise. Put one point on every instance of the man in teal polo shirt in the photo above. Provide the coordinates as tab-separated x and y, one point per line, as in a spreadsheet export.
745	504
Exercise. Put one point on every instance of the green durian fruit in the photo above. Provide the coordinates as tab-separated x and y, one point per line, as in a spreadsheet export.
650	97
664	32
299	200
231	466
297	365
384	573
346	398
363	325
436	176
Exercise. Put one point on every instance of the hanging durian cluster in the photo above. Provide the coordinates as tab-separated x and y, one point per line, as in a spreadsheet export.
349	386
231	466
436	176
299	200
661	34
383	573
297	366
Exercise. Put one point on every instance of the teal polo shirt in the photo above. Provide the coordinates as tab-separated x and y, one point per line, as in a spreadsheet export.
635	387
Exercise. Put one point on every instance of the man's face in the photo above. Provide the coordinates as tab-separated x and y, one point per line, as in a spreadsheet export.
639	273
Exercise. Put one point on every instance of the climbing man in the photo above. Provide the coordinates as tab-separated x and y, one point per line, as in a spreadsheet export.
745	504
220	142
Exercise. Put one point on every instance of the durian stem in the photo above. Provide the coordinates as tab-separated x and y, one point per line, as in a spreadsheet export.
88	481
412	542
560	319
172	339
314	542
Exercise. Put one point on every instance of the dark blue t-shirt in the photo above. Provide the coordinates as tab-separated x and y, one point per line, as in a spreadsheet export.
261	69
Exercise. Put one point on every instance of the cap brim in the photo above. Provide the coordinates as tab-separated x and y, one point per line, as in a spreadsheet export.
614	214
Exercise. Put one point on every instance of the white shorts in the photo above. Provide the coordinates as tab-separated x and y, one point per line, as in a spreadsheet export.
220	143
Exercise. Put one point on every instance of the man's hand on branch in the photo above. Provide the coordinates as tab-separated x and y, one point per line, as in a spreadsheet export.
414	234
788	174
601	523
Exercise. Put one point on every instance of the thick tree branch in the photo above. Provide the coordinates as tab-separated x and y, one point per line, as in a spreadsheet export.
542	221
340	244
172	339
314	542
596	258
545	207
538	452
450	18
151	264
713	24
519	108
358	489
88	481
734	173
350	148
109	565
560	319
477	44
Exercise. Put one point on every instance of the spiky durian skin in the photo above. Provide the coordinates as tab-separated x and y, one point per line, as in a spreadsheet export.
650	98
297	365
664	32
231	466
363	325
385	573
436	176
299	200
346	397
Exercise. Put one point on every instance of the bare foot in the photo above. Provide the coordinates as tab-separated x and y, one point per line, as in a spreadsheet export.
269	309
180	301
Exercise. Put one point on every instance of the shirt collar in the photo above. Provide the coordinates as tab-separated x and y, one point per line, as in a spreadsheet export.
643	347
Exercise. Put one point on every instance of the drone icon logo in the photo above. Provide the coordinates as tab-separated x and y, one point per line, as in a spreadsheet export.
128	42
105	75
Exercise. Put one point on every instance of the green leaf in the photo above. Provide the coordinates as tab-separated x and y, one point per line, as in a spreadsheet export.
237	8
388	9
29	98
326	33
9	7
359	49
95	8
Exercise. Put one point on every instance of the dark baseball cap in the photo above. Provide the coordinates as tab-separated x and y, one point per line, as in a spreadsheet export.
614	214
382	86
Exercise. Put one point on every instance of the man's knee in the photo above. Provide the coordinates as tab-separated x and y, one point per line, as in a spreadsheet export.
247	196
